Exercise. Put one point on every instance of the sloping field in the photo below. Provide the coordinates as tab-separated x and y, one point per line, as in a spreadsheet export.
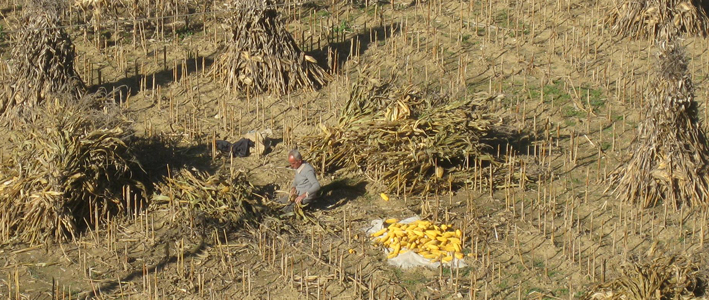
562	97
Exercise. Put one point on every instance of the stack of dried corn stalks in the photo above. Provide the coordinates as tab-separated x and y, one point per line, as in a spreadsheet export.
261	54
67	172
659	19
671	161
662	278
42	61
407	141
219	199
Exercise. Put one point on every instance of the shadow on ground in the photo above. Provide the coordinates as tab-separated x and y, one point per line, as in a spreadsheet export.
345	49
339	192
162	156
129	85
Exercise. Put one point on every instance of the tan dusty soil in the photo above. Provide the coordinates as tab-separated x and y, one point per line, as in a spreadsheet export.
573	90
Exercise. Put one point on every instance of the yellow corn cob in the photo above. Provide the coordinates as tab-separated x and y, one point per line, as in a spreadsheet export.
431	242
458	233
444	227
384	197
447	248
454	240
390	221
431	234
380	232
423	224
447	259
432	247
394	252
449	234
429	255
459	255
442	239
457	247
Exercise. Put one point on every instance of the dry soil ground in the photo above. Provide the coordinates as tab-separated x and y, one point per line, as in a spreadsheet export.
573	91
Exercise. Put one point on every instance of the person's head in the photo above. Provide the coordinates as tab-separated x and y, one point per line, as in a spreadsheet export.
295	159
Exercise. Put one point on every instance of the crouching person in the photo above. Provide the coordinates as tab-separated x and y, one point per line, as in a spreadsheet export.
305	186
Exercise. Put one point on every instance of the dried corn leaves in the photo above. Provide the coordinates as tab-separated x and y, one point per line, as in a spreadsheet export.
261	54
671	161
42	62
659	19
218	199
409	142
662	278
67	174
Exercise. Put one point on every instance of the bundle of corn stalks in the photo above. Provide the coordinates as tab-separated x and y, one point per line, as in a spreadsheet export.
218	199
401	138
662	278
261	55
670	160
67	172
659	19
42	61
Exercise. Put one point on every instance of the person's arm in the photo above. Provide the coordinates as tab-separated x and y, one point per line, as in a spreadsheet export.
293	192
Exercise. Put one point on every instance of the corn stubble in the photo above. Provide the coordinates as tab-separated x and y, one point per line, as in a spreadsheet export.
68	173
42	60
662	278
115	9
670	162
403	138
261	55
658	19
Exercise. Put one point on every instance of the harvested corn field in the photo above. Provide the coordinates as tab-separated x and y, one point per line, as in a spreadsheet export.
507	149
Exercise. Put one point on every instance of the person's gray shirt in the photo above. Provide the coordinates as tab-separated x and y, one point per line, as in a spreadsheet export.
305	181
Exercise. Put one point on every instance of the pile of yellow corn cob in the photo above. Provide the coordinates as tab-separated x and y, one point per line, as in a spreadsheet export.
438	243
